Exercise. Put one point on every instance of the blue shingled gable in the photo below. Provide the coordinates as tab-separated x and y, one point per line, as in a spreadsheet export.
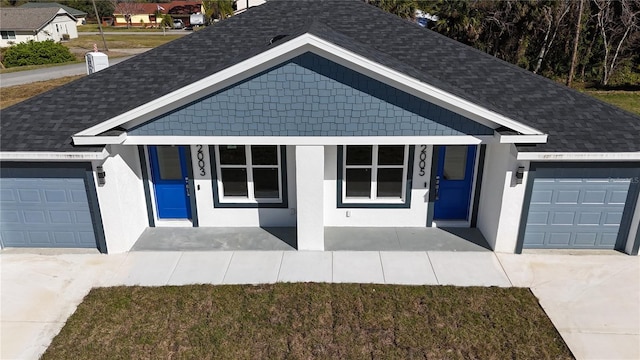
310	96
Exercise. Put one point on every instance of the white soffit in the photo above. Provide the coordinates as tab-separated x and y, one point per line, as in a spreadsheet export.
288	50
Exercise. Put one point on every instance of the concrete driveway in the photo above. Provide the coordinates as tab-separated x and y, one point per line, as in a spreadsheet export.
592	300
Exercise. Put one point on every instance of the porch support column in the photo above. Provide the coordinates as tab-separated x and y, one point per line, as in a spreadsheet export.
310	197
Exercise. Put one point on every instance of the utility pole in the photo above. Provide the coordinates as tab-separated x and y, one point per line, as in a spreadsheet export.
95	9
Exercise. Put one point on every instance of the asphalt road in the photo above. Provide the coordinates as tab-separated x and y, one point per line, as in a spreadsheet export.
54	72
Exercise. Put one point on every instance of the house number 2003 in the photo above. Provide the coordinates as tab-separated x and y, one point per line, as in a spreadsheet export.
200	156
423	159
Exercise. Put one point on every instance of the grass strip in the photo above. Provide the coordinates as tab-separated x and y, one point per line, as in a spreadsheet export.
309	320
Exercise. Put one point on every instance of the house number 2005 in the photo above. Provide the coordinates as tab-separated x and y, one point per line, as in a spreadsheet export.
423	159
200	156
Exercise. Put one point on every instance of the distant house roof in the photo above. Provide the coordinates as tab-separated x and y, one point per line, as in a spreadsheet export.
27	19
173	7
70	10
574	122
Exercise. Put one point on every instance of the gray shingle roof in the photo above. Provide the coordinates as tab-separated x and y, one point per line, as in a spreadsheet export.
26	19
70	10
575	122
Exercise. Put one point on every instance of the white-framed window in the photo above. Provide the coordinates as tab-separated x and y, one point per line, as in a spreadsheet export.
249	174
375	174
8	35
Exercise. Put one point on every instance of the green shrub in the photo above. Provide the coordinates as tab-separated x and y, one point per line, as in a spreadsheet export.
37	53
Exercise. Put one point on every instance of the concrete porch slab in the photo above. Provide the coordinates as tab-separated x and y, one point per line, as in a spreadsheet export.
404	239
216	239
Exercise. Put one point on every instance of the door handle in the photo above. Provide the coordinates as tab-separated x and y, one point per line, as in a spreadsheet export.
437	187
186	186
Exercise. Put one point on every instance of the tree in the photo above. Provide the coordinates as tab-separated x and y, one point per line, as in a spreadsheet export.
218	9
128	8
554	16
404	8
576	41
105	8
616	22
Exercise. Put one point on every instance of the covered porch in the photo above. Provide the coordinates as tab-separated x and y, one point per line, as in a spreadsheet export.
335	239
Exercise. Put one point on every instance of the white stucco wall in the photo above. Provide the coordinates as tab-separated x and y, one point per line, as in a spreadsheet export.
121	199
501	200
415	216
247	217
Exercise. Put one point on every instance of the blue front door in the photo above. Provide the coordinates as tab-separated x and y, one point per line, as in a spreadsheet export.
170	180
454	180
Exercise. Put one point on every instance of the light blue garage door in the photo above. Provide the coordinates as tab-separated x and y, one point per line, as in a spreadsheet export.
44	207
578	208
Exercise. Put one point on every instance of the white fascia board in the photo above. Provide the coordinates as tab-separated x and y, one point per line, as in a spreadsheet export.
522	139
99	140
52	156
579	156
306	140
288	50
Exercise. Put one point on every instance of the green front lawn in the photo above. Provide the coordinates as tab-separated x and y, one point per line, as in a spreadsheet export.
301	321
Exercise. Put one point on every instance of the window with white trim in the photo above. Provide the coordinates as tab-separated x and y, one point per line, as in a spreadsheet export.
375	174
8	35
249	174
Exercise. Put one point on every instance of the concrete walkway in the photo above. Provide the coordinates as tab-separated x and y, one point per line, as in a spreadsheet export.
592	300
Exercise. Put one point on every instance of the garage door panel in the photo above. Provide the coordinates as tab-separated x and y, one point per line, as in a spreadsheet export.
608	239
594	197
562	218
61	217
542	197
586	239
534	238
29	196
590	218
559	238
612	218
576	207
44	207
9	216
617	197
567	197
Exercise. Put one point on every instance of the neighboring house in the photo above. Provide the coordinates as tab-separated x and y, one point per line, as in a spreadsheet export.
242	5
81	16
311	117
141	14
19	25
